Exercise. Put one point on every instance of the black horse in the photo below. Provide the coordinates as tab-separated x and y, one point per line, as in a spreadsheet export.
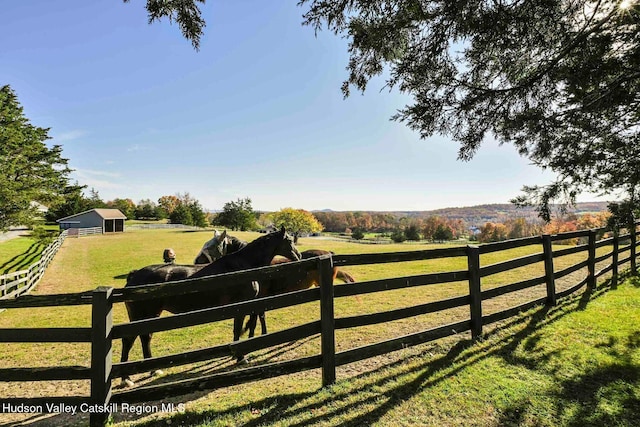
258	253
222	244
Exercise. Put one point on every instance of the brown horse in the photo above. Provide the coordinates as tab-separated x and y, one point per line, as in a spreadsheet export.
258	253
222	244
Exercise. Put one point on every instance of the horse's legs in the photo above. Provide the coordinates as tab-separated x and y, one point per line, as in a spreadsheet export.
127	344
238	321
145	340
138	312
251	325
237	331
263	322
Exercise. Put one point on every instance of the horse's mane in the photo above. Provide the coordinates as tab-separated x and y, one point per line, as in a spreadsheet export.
260	241
235	244
233	257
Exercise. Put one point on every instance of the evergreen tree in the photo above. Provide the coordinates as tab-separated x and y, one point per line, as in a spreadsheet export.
72	202
94	201
558	79
30	171
198	216
357	234
181	215
412	232
185	13
398	236
443	233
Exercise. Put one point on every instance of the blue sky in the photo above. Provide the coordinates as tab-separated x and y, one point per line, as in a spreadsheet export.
257	112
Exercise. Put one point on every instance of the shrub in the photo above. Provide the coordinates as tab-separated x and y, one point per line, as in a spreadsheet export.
398	236
412	232
357	233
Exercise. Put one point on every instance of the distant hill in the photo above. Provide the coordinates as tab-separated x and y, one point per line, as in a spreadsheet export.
481	214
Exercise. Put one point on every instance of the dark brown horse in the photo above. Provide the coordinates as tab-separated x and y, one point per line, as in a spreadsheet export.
258	253
224	244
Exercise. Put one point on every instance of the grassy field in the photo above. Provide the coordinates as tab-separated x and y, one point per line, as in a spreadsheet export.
515	376
18	254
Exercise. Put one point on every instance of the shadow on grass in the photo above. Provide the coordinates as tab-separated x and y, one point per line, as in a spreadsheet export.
23	260
399	381
603	396
365	398
634	281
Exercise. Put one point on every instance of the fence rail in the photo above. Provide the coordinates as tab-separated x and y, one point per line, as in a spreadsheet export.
102	331
161	227
81	232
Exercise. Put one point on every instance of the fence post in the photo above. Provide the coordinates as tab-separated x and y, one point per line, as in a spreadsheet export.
633	248
473	262
548	269
327	321
591	266
614	261
101	353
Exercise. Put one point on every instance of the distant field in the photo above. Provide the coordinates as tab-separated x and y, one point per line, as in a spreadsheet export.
85	263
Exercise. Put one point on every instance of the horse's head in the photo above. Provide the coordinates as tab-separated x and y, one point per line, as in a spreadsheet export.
213	249
286	248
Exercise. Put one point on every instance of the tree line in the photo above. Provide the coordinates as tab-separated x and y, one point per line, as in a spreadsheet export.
438	228
519	227
178	209
239	215
531	86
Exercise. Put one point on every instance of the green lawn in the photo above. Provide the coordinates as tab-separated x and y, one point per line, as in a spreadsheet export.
572	365
515	376
18	254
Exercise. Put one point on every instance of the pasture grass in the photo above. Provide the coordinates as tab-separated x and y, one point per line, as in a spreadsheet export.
575	364
447	383
19	253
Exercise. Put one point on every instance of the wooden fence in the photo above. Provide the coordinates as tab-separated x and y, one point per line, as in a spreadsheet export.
12	285
162	227
17	283
102	331
81	232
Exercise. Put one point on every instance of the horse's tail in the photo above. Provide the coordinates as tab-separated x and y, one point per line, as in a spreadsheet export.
345	277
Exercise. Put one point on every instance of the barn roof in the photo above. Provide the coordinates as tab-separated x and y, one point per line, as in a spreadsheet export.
104	213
